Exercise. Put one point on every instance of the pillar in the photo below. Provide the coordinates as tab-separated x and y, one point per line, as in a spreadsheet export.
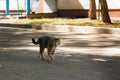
41	6
28	6
7	7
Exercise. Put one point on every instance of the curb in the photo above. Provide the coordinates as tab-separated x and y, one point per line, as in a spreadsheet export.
16	25
66	28
81	29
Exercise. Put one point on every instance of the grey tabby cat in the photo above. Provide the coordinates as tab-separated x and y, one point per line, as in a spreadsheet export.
47	42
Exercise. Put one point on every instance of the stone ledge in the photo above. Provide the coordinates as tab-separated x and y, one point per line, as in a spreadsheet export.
66	28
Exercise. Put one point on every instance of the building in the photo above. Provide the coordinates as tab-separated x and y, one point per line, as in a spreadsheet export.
80	8
63	8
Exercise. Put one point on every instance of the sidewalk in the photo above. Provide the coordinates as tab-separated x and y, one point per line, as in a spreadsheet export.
61	28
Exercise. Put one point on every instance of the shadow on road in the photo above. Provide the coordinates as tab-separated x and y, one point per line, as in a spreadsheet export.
80	57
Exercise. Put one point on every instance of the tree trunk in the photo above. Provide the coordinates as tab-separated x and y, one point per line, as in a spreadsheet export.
104	11
92	11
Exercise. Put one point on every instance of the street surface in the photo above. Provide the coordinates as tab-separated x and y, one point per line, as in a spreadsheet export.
79	57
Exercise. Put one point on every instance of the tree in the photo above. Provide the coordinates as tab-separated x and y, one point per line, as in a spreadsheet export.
92	11
104	11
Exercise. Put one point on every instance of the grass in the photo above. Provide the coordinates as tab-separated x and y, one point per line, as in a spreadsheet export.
67	21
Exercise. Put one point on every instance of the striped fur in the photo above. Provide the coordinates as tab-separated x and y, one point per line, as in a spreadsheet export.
47	42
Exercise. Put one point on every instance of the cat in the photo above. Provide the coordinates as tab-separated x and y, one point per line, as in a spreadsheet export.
48	42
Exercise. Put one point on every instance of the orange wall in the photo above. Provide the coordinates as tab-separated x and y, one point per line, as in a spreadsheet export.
40	6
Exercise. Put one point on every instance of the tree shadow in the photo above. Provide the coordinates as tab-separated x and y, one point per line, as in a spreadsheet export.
93	66
18	54
95	41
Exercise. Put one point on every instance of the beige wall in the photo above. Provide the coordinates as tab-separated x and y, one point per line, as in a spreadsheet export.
49	6
72	4
84	4
43	6
35	6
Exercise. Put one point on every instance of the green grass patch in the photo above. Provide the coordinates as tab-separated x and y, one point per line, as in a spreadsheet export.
67	21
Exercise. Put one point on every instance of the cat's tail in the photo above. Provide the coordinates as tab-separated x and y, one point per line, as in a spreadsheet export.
35	42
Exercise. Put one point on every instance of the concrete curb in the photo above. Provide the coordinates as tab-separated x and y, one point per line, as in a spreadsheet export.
66	28
16	25
81	29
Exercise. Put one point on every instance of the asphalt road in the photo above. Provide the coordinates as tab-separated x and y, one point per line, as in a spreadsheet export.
79	57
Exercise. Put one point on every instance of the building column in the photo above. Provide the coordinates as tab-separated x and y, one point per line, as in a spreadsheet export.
41	10
28	6
7	7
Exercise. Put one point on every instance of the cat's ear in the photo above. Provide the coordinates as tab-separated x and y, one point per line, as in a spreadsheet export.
58	40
